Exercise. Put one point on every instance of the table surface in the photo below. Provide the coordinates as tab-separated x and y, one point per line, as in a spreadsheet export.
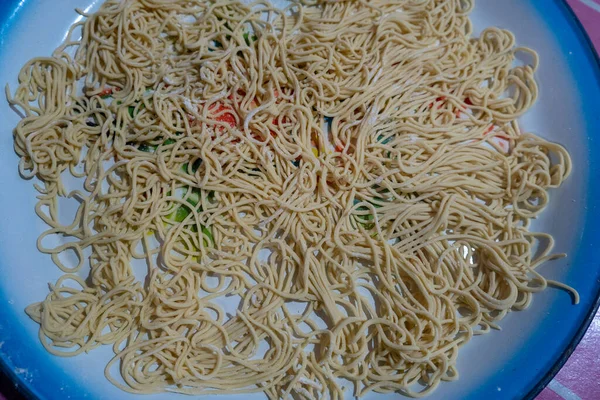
579	379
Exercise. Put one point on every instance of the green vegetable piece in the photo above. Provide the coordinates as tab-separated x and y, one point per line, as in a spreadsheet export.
169	141
195	165
194	197
365	220
379	200
206	231
182	213
368	217
147	148
131	110
384	140
209	234
249	39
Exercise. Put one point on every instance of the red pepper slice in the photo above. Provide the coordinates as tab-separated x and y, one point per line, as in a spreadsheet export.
437	100
226	114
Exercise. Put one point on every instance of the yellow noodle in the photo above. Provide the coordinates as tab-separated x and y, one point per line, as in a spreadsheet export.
369	147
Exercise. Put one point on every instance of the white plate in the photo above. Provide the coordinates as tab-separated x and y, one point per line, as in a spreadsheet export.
513	363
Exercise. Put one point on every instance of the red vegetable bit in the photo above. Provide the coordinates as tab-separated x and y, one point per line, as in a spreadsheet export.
226	114
440	100
462	109
106	92
502	135
228	119
240	93
339	146
437	100
275	122
239	97
284	120
233	97
491	128
277	95
503	143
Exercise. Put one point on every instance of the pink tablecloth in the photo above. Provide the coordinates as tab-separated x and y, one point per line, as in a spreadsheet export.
579	379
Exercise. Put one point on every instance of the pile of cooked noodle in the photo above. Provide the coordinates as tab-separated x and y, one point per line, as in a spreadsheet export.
349	174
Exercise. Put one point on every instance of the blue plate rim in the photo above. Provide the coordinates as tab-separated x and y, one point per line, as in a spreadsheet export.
582	33
8	12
